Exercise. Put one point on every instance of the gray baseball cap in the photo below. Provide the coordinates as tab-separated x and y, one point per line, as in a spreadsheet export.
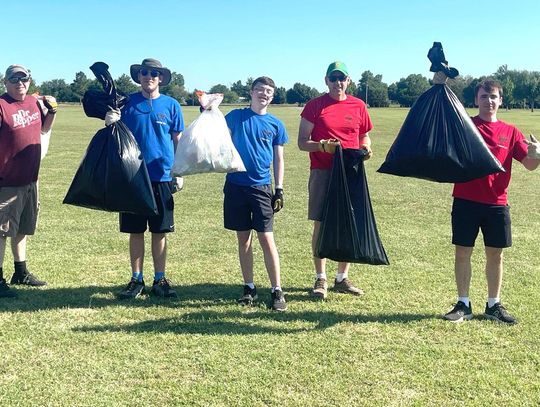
13	69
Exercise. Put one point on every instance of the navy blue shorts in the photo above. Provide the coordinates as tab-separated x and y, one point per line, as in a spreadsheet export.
163	222
247	208
468	218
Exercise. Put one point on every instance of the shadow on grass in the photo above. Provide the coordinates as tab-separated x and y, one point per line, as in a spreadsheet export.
47	298
254	321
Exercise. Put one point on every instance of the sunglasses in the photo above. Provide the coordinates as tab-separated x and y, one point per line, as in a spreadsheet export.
17	79
153	73
334	78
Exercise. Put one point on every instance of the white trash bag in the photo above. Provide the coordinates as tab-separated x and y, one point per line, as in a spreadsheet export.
206	144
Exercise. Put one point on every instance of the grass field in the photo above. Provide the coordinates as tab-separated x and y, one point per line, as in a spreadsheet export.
74	344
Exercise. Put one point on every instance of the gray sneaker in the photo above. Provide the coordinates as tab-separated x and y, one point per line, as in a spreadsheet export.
499	313
320	289
132	290
347	286
249	297
278	301
459	313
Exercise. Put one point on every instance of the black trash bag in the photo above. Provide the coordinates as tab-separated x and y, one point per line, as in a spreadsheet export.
348	230
112	175
439	62
438	140
96	103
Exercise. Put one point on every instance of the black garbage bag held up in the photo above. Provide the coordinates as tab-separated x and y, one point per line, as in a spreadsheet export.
112	175
438	140
348	230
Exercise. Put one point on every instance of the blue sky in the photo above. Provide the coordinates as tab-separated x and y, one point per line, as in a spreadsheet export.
211	41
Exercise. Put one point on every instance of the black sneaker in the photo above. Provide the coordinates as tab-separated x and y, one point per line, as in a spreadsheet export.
278	301
499	313
132	290
162	288
27	278
249	297
5	291
459	313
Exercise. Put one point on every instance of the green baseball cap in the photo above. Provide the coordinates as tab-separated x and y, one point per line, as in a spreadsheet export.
337	66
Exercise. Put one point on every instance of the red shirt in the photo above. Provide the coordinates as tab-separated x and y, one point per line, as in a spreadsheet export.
505	142
344	120
20	141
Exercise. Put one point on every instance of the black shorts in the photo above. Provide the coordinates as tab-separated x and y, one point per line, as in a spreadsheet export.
163	222
247	208
469	217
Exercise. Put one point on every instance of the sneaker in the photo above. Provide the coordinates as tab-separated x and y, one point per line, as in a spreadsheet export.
249	297
320	289
132	290
162	288
278	301
459	313
5	291
346	286
27	278
499	313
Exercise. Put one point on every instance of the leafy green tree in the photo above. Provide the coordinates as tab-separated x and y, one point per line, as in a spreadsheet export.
229	96
241	90
372	90
124	84
59	89
392	92
506	78
410	88
351	88
301	93
2	86
175	88
527	88
280	96
80	84
458	85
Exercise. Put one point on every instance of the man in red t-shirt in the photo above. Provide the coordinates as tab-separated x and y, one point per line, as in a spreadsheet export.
327	121
482	204
22	121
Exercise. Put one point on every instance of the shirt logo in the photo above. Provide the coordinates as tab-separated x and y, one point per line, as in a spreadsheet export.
23	118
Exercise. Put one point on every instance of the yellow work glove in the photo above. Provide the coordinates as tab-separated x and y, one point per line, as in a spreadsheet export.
328	146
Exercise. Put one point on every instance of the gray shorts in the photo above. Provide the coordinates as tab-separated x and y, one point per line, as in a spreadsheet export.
19	209
317	187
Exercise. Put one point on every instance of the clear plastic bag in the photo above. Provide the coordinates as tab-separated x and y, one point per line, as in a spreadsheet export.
206	144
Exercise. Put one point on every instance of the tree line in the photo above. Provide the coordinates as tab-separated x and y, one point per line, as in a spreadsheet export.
521	89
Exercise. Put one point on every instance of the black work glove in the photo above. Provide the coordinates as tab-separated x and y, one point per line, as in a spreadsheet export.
277	200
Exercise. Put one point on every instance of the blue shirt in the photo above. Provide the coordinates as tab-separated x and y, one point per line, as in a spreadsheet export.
254	136
152	121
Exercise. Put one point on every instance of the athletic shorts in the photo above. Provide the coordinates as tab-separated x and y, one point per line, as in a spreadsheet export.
493	220
163	222
19	209
317	188
247	208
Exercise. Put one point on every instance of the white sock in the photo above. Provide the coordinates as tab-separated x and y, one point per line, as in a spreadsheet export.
321	275
465	300
250	285
341	276
277	287
493	301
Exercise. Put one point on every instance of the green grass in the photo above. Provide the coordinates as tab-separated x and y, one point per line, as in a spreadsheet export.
73	344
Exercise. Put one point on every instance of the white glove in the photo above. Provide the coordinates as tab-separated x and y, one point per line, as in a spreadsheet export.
177	184
533	150
112	116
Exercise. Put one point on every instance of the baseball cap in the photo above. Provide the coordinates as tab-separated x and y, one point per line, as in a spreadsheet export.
337	66
13	69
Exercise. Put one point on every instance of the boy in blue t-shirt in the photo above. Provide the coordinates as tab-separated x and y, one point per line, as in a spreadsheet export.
248	199
156	123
